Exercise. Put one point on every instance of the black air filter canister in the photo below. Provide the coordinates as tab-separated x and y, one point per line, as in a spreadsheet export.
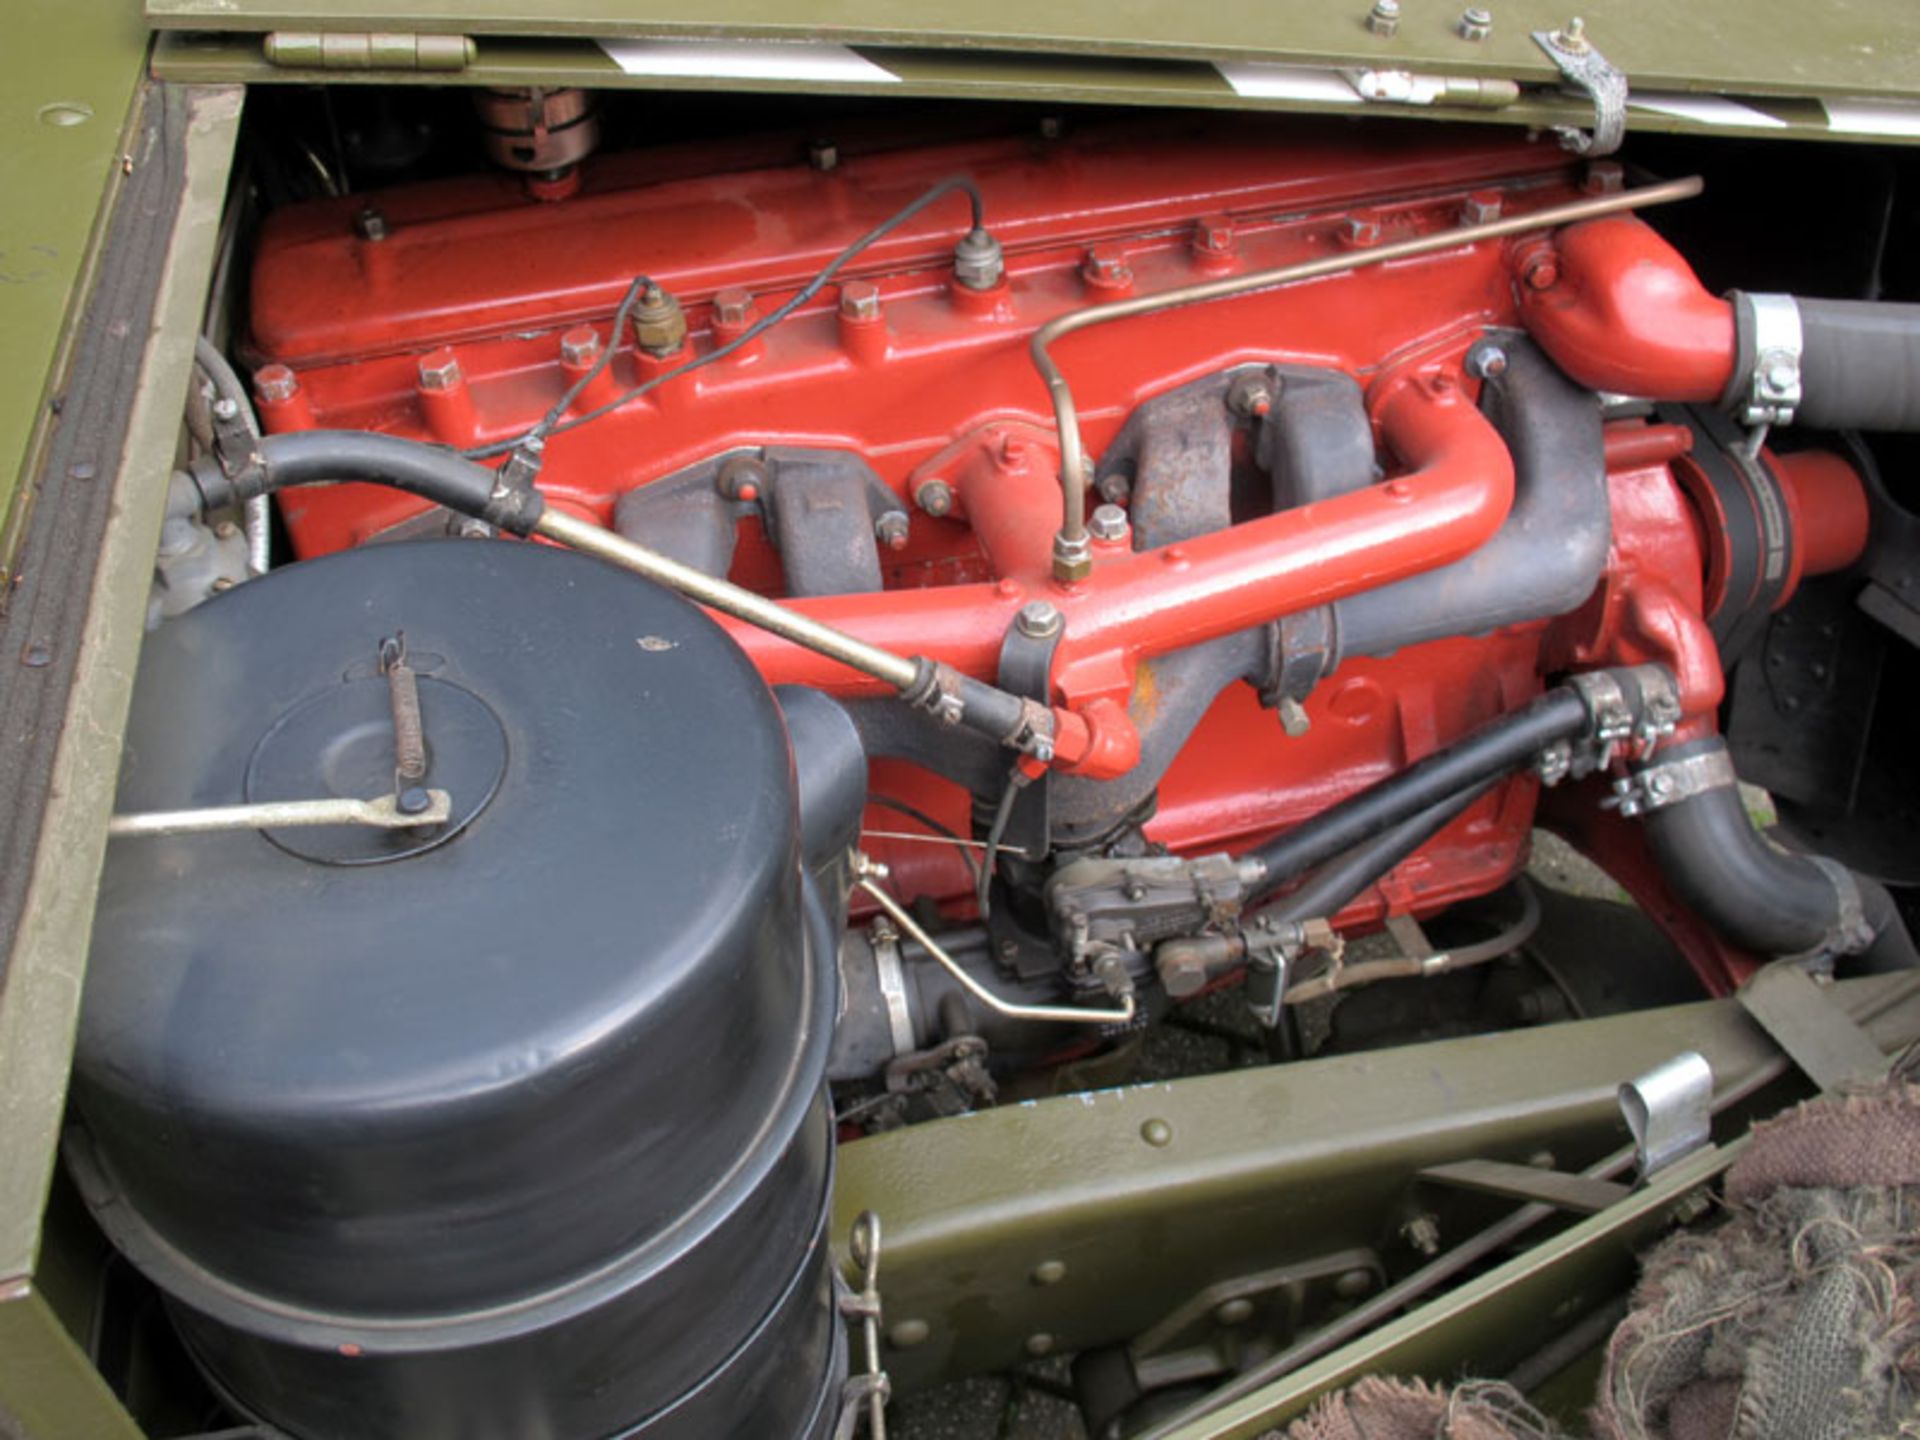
509	1127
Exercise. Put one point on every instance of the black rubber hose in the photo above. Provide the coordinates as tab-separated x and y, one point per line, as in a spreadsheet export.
308	457
1754	895
1493	750
1548	556
1859	365
1328	890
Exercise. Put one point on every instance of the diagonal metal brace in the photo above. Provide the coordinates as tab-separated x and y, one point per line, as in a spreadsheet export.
1580	1194
1821	1038
1590	72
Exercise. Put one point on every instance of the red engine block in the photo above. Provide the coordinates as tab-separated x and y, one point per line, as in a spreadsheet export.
477	305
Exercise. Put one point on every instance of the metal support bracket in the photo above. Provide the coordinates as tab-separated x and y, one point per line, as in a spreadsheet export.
1669	1111
1590	72
1822	1040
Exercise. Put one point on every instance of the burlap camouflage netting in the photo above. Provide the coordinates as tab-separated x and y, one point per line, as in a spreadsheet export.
1798	1318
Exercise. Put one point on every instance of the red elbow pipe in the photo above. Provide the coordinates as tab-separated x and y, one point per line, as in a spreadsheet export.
1133	606
1619	310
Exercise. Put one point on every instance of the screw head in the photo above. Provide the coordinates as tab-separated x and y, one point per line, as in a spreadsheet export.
1049	1272
1475	23
1778	374
1236	1311
580	346
370	223
274	383
439	369
1039	1344
1108	523
1384	18
823	155
1037	620
225	408
860	300
414	800
1157	1133
733	308
891	529
1542	272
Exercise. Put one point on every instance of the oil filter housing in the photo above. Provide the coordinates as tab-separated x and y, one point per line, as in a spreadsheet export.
512	1126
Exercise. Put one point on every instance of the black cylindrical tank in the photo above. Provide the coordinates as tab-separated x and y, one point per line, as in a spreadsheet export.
509	1127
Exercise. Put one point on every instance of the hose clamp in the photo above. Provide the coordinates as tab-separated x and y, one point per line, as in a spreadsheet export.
1852	931
1773	384
1654	787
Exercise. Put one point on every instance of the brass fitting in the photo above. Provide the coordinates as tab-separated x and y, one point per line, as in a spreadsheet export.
659	324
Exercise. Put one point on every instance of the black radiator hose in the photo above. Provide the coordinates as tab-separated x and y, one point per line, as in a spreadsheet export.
1752	893
1858	360
308	457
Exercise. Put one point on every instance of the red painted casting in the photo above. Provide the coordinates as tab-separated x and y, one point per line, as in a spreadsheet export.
480	306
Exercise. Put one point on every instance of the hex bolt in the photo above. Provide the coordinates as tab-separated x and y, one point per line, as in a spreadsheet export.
273	383
1362	228
1108	523
439	370
1475	23
1384	18
1481	207
370	223
1213	235
1107	265
891	529
580	346
1037	620
742	478
860	300
733	308
1251	396
1423	1234
823	155
1778	374
934	497
1485	362
1604	177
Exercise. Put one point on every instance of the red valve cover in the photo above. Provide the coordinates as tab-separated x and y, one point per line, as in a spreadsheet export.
486	280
